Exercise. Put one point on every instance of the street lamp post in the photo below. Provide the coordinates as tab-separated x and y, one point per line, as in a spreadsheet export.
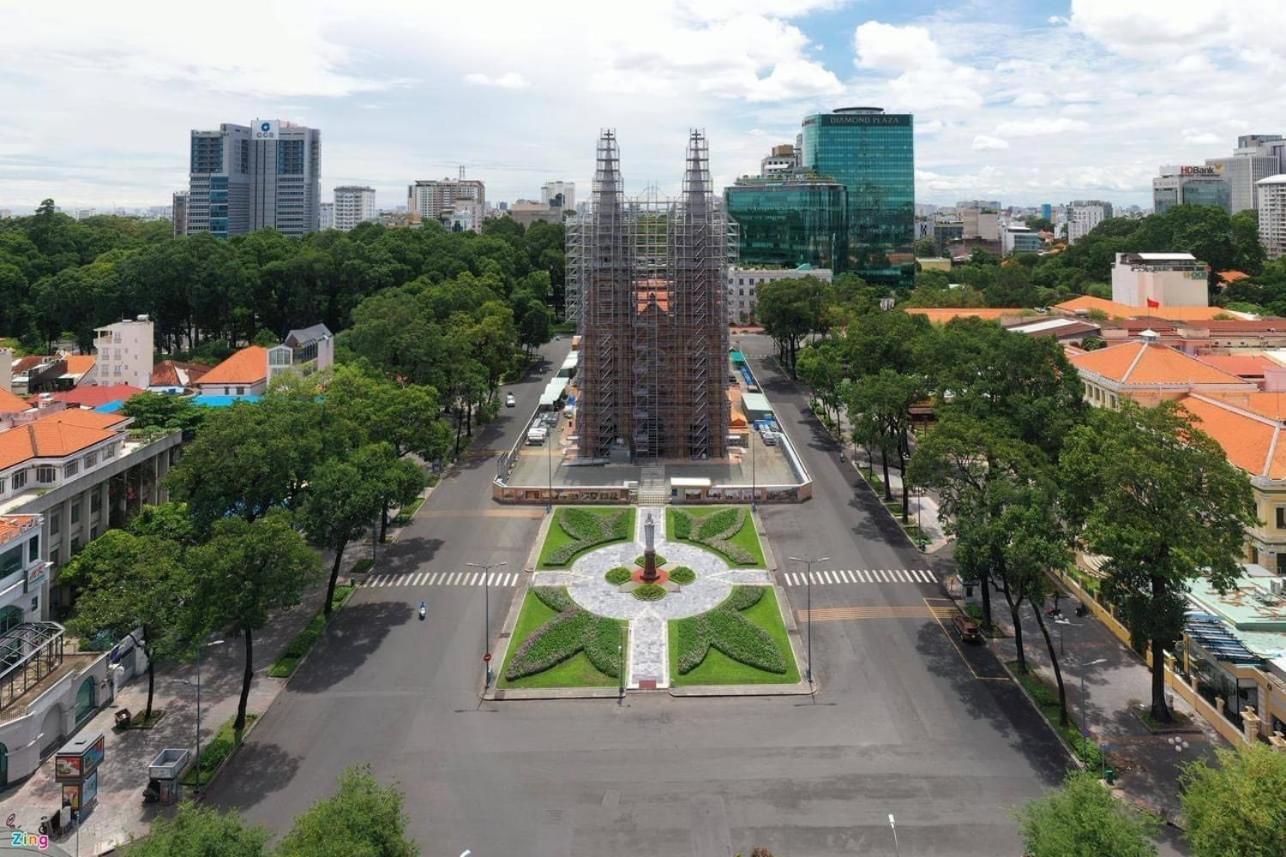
549	462
808	583
197	761
486	611
893	826
753	489
1083	667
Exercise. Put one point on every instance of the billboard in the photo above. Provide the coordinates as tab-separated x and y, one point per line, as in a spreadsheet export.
265	129
1201	171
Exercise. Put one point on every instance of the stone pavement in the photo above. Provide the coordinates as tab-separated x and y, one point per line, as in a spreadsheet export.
648	657
1117	687
120	812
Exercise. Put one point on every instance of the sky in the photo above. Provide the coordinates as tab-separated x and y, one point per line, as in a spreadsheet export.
1025	102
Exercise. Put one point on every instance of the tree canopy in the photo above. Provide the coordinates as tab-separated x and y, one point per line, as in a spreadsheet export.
1235	806
1082	819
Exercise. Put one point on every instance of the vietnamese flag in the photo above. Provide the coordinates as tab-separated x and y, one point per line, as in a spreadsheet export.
1153	304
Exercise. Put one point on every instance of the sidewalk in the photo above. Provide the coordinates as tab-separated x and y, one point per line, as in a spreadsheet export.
921	507
1117	687
121	812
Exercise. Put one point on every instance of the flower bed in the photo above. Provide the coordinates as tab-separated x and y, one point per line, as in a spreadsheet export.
575	530
649	592
683	575
728	531
745	629
570	632
641	560
617	576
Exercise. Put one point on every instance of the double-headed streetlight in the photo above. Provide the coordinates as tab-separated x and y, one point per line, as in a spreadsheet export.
486	611
808	582
197	685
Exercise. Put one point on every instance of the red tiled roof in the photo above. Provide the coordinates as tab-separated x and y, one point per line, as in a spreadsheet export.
247	366
93	397
942	315
1231	277
169	373
1119	310
1142	363
1251	442
56	436
79	364
15	525
31	361
1243	365
11	404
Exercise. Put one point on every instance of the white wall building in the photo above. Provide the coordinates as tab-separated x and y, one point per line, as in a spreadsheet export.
1159	280
326	216
1016	238
549	192
743	283
439	199
353	205
1082	218
303	351
124	353
1272	215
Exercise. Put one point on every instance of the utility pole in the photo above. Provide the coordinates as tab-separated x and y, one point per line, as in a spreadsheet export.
486	612
808	582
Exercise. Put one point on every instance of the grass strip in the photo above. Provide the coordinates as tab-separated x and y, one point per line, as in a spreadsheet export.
1046	697
218	749
285	666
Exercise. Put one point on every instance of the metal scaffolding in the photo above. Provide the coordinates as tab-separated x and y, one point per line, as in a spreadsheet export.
646	284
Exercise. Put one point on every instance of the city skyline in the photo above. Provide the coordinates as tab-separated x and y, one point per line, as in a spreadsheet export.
1025	102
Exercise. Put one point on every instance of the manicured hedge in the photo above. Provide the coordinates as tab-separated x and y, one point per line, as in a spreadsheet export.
716	525
683	575
641	559
617	576
587	529
725	629
573	630
715	531
649	592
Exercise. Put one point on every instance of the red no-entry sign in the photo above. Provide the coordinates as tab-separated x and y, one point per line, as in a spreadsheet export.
486	659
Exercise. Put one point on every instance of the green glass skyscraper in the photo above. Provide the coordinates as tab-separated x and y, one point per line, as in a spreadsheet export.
872	153
788	219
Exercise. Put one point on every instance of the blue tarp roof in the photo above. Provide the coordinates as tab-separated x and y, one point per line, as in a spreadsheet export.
223	401
110	407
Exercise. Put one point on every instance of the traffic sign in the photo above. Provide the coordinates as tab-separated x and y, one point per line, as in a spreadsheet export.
486	659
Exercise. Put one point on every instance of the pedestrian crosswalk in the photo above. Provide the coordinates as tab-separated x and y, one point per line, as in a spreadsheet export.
847	614
445	578
859	575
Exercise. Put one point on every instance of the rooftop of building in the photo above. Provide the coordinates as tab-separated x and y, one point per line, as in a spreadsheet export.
1250	440
79	364
172	373
1277	179
1251	609
942	315
1139	362
307	335
56	436
247	366
11	404
1055	327
12	526
1089	303
1242	365
1271	405
93	396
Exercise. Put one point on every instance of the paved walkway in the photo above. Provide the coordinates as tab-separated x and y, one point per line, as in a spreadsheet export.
1117	686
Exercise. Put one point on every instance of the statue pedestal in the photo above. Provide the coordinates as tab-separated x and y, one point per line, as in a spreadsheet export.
650	574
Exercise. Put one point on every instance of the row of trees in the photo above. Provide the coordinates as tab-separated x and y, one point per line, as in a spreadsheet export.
1031	280
1231	807
58	276
362	817
1025	471
257	481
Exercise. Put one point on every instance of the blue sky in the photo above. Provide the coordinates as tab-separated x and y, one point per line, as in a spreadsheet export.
1026	102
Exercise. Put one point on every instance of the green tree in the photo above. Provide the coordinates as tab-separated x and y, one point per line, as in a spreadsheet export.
165	521
790	310
879	408
245	571
1082	819
1158	498
925	249
164	411
1236	806
1248	252
128	583
201	831
362	819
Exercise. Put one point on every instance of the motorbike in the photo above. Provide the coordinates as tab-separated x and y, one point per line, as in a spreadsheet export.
423	611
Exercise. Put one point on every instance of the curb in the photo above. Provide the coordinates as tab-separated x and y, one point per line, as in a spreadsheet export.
1067	748
505	637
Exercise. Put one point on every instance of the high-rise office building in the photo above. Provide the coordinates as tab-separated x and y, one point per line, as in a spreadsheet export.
353	205
1190	185
1256	157
1272	215
789	218
436	199
1083	216
179	212
326	219
243	178
649	274
559	195
872	153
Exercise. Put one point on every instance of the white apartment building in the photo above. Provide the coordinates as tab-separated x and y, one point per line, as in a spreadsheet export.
1082	218
1272	215
743	284
124	353
353	205
439	199
1159	280
326	217
550	191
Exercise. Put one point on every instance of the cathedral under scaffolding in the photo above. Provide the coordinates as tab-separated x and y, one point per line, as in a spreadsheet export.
646	283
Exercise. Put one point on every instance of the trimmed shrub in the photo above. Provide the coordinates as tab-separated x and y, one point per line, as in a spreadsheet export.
682	524
640	560
725	629
649	592
715	531
554	597
617	576
588	529
717	525
683	575
604	646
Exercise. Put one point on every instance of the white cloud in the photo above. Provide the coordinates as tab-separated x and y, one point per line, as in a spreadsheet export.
1031	99
508	80
924	77
985	143
1196	137
1148	28
1041	127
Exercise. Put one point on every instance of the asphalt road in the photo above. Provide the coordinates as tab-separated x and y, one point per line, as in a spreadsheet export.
899	725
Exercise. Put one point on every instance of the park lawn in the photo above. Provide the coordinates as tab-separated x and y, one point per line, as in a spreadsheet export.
576	671
557	537
718	668
745	538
